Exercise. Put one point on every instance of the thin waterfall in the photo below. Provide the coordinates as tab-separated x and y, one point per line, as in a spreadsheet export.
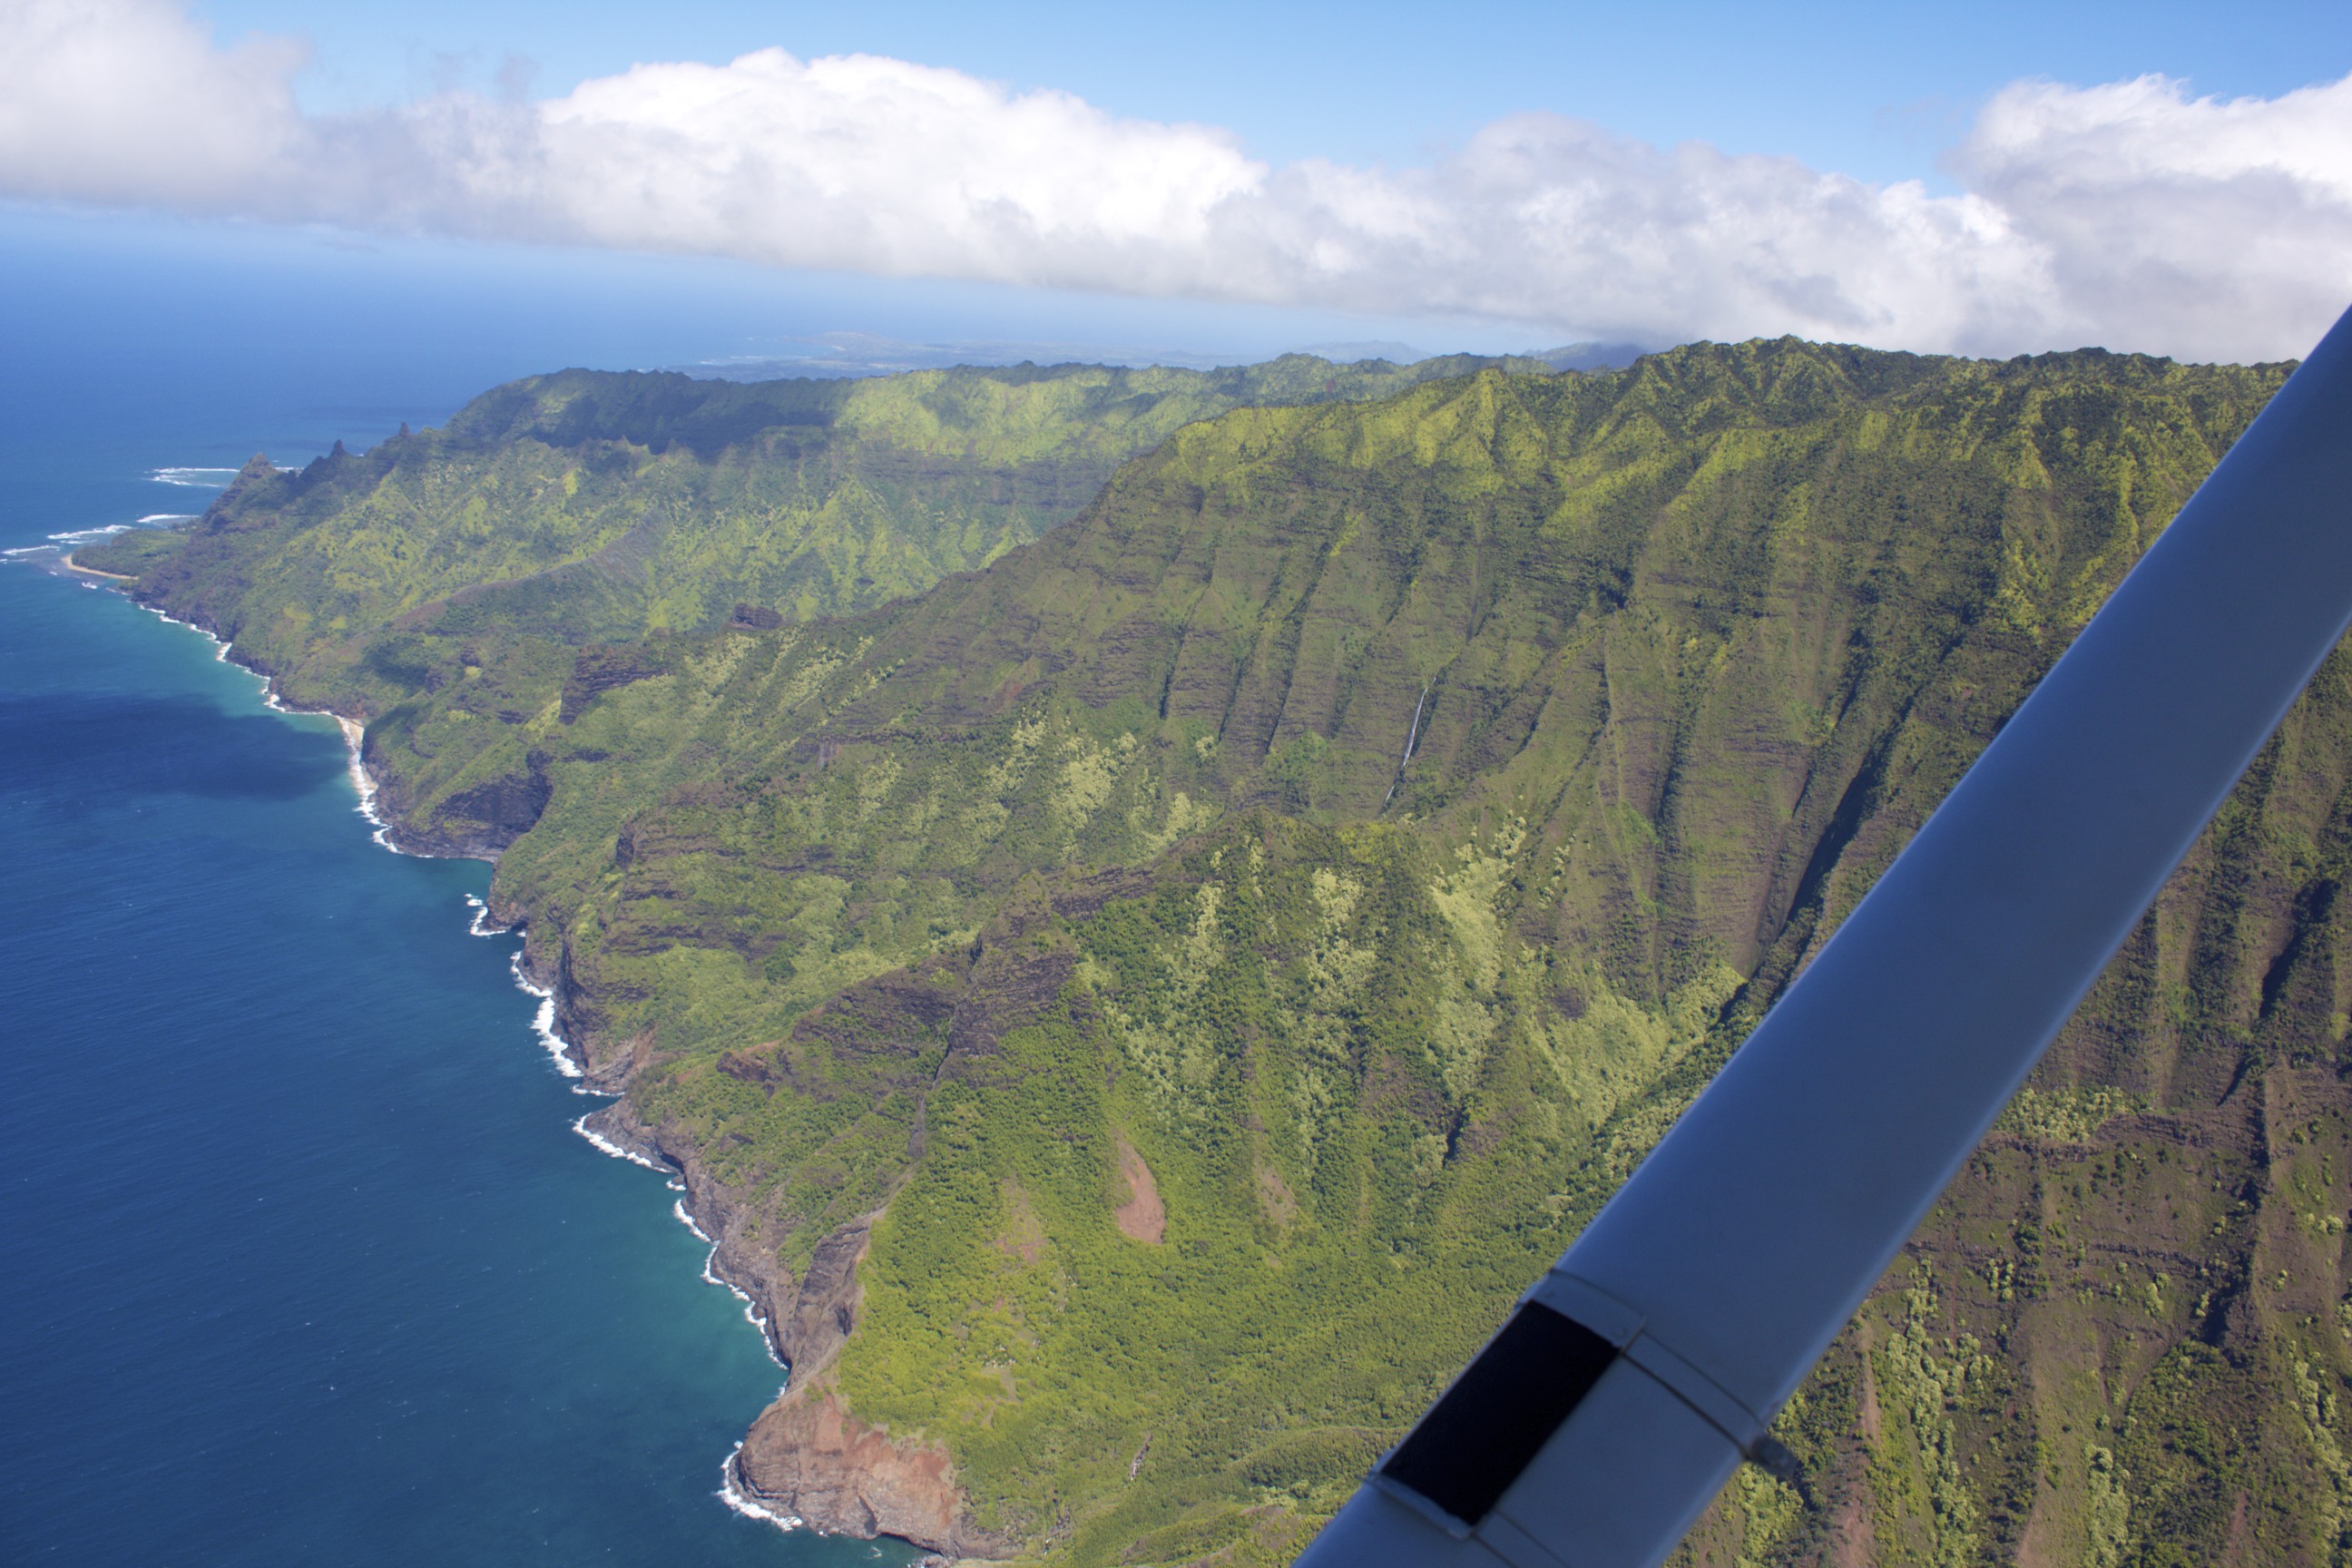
1412	739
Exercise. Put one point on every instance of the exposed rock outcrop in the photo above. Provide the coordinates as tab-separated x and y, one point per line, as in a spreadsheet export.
809	1456
481	821
600	669
806	1456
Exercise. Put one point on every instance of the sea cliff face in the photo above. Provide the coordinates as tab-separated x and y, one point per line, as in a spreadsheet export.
1372	824
806	1458
837	1474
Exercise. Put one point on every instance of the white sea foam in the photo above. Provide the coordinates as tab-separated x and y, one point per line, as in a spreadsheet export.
153	518
558	1049
743	1502
59	542
362	782
605	1145
194	478
220	653
542	1023
751	1313
84	535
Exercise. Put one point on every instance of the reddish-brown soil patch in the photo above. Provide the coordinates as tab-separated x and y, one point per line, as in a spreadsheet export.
1141	1217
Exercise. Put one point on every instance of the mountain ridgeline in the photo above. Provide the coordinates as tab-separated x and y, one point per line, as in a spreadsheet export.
584	509
1137	1009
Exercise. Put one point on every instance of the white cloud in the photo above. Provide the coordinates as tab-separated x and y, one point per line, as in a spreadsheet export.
2221	228
134	104
2129	214
880	165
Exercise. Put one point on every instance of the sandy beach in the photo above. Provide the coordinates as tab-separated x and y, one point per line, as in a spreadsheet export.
72	565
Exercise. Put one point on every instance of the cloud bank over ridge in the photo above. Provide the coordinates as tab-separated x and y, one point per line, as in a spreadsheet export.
2130	214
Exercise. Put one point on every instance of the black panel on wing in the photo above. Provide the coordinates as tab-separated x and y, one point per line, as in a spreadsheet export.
1474	1441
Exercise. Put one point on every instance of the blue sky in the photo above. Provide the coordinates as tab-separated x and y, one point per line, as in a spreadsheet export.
1216	178
1876	91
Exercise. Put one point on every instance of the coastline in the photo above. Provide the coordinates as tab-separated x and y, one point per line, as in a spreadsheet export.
325	1033
801	1322
70	564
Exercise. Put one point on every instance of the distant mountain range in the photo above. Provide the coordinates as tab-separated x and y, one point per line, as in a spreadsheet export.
865	354
1148	904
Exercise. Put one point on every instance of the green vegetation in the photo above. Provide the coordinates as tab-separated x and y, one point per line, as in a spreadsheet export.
950	907
451	574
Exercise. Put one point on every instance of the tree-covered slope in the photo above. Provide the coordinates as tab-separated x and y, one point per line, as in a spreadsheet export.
586	507
1139	1012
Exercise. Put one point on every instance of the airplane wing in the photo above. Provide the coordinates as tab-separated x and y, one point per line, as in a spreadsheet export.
1635	1377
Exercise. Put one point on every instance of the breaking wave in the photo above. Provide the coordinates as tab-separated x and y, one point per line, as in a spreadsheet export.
618	1152
731	1493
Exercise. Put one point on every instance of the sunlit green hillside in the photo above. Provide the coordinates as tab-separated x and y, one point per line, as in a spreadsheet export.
583	505
1211	958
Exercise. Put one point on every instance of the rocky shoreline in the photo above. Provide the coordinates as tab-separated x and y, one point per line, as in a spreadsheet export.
806	1458
806	1461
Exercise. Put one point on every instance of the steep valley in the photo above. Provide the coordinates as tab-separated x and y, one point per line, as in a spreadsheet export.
1138	995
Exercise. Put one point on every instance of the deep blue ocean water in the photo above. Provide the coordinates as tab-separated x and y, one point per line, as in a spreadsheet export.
300	1258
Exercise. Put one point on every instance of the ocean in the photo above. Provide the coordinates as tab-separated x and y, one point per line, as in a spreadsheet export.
301	1258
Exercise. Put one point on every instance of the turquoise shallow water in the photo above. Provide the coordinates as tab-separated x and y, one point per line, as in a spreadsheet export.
300	1258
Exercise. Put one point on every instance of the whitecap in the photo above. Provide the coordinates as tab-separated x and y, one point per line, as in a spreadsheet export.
153	518
542	1023
752	1312
354	738
193	476
738	1500
220	652
618	1152
84	535
363	781
559	1050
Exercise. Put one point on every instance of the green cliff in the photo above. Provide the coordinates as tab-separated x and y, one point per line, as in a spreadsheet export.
1139	1012
585	508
